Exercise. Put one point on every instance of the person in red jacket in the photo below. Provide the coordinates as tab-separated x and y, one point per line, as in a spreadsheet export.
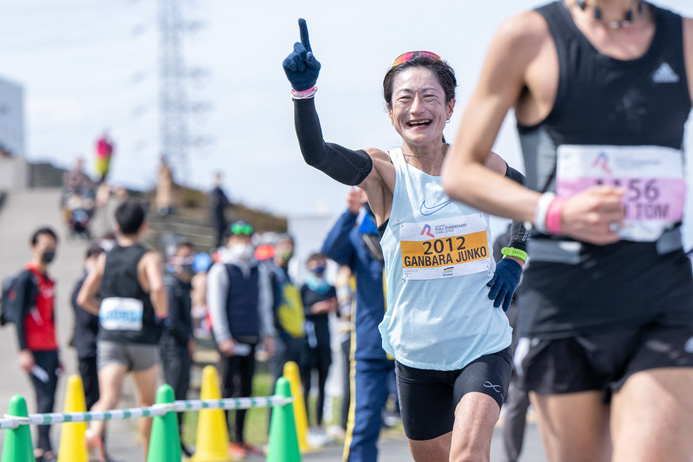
36	334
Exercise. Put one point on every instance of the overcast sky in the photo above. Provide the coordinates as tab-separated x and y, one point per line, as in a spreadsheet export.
90	65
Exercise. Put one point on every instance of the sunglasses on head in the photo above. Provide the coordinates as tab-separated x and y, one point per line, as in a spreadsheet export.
404	57
241	228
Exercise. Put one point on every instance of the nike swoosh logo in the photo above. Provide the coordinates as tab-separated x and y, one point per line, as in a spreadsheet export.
426	211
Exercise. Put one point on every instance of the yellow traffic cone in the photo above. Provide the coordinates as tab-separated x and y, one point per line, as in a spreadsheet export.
212	432
73	445
292	375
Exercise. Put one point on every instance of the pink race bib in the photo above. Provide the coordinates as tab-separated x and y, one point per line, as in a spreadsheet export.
651	175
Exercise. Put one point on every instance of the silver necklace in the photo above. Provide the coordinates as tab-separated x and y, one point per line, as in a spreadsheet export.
425	155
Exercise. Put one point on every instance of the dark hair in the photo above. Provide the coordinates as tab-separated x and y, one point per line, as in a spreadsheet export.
109	236
286	237
130	216
41	231
442	70
94	251
187	244
317	256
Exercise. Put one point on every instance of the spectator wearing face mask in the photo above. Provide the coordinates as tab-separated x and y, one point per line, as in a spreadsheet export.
319	300
239	298
36	332
177	340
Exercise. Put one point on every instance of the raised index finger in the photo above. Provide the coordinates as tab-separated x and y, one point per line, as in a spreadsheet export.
304	33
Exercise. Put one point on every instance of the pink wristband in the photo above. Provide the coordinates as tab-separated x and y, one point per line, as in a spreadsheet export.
553	215
304	94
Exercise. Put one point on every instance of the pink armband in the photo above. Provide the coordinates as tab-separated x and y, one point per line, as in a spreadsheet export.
553	215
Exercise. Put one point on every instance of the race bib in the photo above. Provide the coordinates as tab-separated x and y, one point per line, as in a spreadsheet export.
121	314
445	248
651	175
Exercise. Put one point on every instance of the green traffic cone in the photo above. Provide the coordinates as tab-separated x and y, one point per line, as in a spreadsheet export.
283	441
164	444
18	447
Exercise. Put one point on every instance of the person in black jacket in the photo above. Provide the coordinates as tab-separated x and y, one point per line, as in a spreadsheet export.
319	299
84	336
177	340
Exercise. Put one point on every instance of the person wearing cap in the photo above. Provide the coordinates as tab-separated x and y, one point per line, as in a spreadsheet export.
239	298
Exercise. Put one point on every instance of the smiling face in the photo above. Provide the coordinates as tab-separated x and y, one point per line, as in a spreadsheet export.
419	111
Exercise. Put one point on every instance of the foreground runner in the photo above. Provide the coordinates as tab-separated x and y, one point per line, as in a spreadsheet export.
601	91
450	344
129	282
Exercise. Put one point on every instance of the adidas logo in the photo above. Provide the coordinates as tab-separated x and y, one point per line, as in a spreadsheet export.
665	74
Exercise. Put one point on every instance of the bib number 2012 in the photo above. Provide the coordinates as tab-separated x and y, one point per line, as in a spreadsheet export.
438	245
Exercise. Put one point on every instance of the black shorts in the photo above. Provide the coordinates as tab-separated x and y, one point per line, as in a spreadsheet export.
428	398
602	361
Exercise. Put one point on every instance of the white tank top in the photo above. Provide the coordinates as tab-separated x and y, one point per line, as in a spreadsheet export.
438	259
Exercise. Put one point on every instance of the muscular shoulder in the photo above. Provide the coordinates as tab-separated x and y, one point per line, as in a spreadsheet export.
378	155
523	35
151	257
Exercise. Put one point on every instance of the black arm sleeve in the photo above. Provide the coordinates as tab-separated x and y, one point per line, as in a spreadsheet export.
342	164
518	234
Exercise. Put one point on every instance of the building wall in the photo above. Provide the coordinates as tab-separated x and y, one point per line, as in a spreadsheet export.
12	117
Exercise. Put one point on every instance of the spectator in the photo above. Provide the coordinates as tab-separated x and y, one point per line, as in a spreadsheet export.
319	300
85	332
201	265
353	241
76	180
239	298
165	194
36	334
289	317
177	340
217	205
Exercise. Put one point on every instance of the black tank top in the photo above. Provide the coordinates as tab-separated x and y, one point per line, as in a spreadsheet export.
127	313
605	101
602	102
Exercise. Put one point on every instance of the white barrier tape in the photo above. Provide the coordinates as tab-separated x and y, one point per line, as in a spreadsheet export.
157	410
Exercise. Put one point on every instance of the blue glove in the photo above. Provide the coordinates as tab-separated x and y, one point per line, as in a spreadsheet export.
504	282
300	66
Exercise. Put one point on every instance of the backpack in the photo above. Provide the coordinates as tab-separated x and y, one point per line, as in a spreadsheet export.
289	314
9	310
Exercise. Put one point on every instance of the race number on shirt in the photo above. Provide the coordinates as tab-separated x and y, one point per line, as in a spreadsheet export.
445	248
651	175
121	313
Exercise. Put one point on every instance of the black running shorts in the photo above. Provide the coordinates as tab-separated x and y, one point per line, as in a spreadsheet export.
428	398
602	361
